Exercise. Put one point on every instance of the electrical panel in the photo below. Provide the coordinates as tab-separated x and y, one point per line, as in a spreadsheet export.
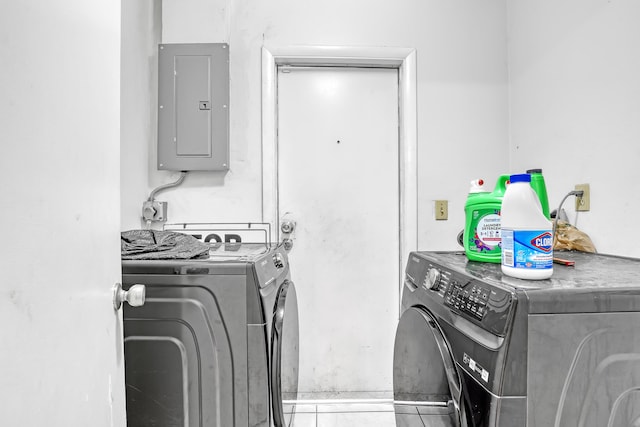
193	107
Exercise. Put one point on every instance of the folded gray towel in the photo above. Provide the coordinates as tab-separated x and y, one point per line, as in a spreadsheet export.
154	244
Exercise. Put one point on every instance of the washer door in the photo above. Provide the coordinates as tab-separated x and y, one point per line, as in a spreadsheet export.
426	383
284	355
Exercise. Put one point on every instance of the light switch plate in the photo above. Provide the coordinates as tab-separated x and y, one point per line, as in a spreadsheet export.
442	210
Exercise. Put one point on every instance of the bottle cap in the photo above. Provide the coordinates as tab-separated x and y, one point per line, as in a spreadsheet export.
523	177
477	186
530	171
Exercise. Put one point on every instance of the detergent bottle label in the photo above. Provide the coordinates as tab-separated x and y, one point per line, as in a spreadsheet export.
527	249
485	226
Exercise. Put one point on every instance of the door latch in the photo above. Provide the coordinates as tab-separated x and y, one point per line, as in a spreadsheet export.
287	227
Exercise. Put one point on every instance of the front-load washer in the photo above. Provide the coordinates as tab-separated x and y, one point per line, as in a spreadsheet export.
478	349
216	342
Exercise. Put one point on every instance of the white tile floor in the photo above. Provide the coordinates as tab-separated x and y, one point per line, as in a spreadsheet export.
344	413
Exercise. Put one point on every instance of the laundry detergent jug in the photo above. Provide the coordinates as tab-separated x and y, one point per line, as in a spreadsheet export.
538	185
481	237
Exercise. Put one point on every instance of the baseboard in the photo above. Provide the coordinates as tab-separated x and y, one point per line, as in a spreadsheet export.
360	396
342	405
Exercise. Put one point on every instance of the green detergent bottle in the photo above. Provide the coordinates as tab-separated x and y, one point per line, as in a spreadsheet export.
481	235
538	185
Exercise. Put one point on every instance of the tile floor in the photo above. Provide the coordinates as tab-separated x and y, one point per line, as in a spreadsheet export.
345	413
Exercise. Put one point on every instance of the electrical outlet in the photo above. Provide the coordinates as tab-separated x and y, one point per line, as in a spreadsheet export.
442	210
154	211
583	203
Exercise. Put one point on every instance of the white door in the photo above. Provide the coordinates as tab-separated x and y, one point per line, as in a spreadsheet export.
338	178
61	354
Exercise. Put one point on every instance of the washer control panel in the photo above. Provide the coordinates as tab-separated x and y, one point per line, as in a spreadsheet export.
433	279
482	302
471	299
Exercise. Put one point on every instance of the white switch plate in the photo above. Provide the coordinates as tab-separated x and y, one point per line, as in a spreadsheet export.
442	210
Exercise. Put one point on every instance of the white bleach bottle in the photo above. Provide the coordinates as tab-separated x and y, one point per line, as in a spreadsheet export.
527	239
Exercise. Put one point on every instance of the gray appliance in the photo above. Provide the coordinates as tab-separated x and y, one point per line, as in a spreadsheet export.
476	348
216	342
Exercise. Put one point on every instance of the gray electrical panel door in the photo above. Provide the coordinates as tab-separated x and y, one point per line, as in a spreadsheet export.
193	107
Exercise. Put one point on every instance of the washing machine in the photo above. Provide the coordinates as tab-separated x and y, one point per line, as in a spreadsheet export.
216	342
475	348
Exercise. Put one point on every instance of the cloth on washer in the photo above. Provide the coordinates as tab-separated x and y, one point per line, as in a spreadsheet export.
155	244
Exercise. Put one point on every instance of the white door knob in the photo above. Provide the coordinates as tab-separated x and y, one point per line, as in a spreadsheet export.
134	296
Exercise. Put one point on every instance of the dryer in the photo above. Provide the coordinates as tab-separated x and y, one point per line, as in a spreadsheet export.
478	349
216	342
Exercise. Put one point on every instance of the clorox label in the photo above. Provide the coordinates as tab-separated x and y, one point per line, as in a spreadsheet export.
544	242
527	249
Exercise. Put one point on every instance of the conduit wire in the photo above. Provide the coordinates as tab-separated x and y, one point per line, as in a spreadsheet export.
152	195
578	193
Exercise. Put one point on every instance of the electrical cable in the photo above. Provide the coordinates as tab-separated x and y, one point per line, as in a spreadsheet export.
152	196
578	193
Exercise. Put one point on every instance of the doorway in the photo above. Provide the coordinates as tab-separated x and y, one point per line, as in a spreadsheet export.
338	180
333	351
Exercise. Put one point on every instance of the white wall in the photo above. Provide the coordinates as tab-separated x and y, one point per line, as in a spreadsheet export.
575	108
141	33
462	110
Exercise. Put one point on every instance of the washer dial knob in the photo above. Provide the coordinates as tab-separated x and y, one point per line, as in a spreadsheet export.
433	279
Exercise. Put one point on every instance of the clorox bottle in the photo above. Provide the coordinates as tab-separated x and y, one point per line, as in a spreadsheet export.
482	221
527	241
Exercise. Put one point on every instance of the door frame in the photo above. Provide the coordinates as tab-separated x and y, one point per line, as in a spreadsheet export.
402	59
